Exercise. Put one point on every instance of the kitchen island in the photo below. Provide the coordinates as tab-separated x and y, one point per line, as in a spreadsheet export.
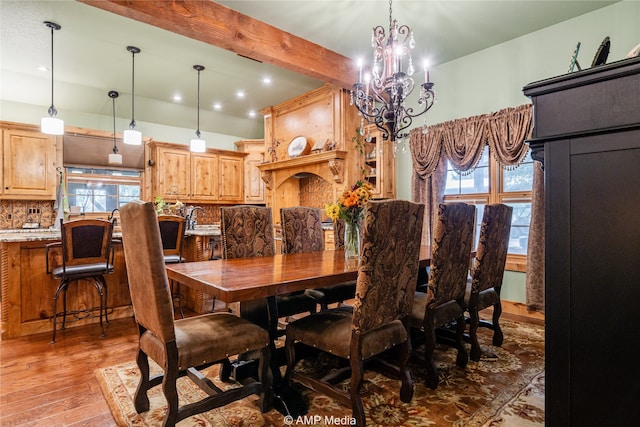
27	290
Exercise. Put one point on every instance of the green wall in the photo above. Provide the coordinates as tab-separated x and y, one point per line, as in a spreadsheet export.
493	79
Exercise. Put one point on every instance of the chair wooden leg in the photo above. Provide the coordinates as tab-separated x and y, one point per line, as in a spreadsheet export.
170	389
264	376
141	400
356	384
476	352
290	351
429	347
497	330
463	358
406	389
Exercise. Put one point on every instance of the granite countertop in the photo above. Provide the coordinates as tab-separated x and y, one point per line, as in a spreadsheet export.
40	234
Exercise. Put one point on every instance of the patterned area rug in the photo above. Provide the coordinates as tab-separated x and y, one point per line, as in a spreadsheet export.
505	390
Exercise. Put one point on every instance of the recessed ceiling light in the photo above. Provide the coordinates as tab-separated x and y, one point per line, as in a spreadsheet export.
177	98
240	94
266	80
42	68
217	106
252	113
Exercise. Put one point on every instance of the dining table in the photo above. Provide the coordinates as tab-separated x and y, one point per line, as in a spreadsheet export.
254	282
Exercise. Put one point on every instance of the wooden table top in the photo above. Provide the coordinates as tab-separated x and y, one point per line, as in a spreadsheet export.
242	279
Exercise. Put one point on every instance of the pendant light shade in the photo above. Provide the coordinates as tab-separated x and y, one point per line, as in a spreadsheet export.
52	125
131	136
198	145
115	158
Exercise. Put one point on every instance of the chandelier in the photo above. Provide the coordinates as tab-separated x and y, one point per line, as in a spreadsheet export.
381	97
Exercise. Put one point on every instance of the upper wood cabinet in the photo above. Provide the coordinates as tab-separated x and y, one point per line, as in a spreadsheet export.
215	176
379	164
28	163
253	183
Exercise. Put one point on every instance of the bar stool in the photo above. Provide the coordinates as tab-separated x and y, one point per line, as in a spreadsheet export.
172	229
87	254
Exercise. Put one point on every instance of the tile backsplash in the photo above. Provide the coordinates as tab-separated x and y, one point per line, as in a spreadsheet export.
14	213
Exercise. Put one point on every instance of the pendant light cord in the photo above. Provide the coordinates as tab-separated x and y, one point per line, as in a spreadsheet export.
113	95
133	51
198	68
52	26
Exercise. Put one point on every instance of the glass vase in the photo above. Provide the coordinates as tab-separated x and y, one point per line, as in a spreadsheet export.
352	239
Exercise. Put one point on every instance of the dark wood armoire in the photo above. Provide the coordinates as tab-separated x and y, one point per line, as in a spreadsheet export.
587	134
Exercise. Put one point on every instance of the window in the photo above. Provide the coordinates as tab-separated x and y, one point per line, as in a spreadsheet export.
101	190
491	183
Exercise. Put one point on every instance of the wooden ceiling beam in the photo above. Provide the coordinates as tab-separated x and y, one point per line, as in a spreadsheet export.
220	26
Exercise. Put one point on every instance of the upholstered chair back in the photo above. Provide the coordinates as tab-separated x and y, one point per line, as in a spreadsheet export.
450	253
247	231
86	241
301	230
148	283
389	263
491	255
172	229
338	233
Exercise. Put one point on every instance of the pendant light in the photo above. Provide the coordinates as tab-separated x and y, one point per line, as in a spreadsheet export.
198	145
52	125
115	158
131	136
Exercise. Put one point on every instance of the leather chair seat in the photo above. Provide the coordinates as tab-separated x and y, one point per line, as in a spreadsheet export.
194	336
330	331
443	314
83	270
295	303
335	293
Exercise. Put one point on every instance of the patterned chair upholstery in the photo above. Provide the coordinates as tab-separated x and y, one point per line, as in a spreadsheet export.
483	290
444	300
181	347
342	291
301	230
378	319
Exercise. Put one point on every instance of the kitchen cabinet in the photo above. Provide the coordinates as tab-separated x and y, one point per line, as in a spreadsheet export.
253	183
215	176
378	163
28	163
587	134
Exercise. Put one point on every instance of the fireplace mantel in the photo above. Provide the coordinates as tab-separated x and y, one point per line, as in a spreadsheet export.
327	164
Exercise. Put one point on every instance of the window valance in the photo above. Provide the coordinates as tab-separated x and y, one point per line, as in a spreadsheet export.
461	141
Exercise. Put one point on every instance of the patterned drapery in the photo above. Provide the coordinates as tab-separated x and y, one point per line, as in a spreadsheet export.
462	141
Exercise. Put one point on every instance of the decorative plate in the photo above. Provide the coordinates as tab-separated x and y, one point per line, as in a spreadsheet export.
298	147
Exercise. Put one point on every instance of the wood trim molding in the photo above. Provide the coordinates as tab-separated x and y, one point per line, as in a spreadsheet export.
220	26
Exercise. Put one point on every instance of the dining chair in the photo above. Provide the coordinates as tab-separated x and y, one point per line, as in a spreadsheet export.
247	231
342	291
483	288
87	254
301	232
444	300
377	321
172	229
181	347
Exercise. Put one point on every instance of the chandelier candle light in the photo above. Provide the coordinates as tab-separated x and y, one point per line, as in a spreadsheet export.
380	98
52	125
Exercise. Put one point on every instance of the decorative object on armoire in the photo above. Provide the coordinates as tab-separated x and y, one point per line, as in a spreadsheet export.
132	136
52	125
115	158
602	53
198	145
380	98
634	52
574	60
350	208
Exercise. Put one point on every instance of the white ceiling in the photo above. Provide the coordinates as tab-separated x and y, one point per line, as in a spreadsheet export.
91	56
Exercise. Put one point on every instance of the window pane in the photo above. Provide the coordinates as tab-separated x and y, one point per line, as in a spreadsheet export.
475	182
520	221
101	190
520	178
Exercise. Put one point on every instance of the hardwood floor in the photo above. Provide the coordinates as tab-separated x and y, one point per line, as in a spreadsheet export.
44	384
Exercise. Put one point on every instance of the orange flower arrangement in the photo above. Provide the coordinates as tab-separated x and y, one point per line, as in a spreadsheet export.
350	206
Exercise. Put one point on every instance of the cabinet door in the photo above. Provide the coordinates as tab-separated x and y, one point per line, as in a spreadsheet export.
173	173
379	164
204	177
29	165
231	178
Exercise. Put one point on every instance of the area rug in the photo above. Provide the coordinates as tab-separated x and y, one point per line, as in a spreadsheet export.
506	388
